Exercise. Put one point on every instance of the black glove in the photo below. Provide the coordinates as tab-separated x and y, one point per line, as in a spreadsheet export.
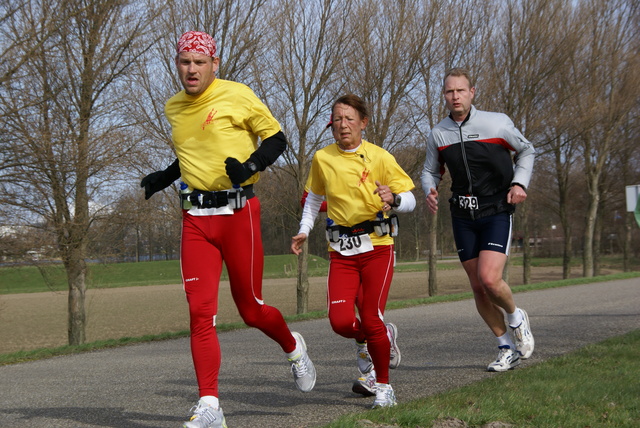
266	154
160	180
239	172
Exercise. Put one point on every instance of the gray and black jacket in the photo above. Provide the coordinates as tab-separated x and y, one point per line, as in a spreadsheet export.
479	156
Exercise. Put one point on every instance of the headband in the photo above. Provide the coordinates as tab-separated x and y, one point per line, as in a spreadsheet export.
197	41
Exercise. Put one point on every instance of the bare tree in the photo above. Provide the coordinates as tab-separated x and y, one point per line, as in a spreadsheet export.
524	55
15	20
628	161
607	74
240	37
302	80
455	41
72	141
238	29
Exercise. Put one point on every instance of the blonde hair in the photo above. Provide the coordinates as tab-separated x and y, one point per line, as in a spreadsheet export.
459	72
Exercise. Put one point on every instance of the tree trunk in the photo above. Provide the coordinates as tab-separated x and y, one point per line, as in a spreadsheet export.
627	243
597	246
76	275
526	250
416	234
587	245
566	255
137	243
433	254
302	305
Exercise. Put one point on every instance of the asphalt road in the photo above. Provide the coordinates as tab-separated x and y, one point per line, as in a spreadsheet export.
443	346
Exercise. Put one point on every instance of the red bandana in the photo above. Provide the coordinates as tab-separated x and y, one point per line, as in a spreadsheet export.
197	41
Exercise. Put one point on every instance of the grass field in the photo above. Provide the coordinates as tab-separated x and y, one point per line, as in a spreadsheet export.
52	277
593	387
596	386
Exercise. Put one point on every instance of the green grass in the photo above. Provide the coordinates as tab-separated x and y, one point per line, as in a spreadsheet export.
52	277
22	356
596	386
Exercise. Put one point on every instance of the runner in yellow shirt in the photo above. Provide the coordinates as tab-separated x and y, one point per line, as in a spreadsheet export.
216	125
362	183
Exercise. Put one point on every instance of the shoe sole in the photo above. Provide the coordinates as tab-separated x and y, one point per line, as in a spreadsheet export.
224	423
359	389
394	364
533	342
380	406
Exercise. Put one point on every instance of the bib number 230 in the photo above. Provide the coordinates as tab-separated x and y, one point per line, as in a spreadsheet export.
350	245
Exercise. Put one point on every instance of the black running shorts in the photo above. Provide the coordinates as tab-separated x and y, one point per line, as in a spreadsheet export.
492	233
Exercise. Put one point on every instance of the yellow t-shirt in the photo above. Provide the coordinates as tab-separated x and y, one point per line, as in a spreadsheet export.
347	181
225	120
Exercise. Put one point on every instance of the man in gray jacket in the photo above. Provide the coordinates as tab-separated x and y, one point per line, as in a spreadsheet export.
477	148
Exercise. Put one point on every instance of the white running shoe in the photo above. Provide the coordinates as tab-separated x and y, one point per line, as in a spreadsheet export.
366	384
205	416
395	356
524	337
507	359
385	397
304	372
365	365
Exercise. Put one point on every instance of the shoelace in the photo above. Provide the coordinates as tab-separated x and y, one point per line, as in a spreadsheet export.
502	353
370	381
393	348
299	367
201	412
384	395
518	333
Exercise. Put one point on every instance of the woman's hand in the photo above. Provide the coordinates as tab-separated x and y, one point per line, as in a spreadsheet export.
296	243
386	196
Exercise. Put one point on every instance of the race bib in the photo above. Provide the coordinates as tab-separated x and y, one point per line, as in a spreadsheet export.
468	202
226	210
352	245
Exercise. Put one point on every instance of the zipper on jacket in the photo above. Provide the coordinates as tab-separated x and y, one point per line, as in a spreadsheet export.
467	169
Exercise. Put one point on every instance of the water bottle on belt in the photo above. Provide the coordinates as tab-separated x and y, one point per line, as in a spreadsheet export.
185	203
381	227
237	198
333	233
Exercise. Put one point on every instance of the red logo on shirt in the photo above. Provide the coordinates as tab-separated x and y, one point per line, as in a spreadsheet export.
363	179
209	119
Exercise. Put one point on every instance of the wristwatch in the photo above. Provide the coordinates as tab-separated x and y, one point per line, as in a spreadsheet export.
253	168
396	200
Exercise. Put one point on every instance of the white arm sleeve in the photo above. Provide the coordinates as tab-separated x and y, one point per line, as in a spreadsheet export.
407	203
310	212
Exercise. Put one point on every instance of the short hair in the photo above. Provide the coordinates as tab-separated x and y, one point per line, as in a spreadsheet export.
459	72
353	101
